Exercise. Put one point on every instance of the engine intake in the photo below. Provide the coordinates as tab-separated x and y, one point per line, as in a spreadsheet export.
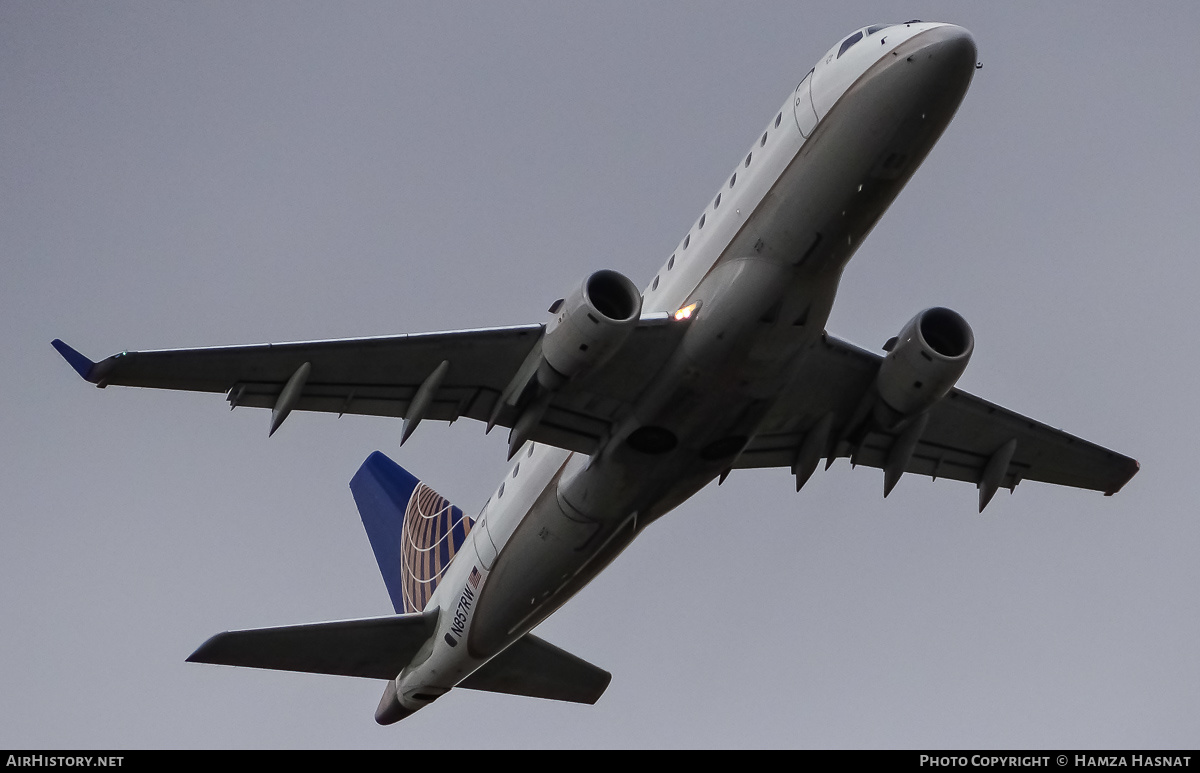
923	364
588	326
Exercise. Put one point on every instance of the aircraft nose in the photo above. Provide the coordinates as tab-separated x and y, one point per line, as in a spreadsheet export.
952	45
943	62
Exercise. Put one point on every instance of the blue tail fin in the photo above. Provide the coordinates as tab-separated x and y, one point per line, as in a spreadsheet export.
414	531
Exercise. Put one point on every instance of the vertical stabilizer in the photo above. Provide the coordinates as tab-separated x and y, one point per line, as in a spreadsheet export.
414	531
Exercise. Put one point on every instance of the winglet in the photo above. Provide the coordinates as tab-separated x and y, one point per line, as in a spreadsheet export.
82	365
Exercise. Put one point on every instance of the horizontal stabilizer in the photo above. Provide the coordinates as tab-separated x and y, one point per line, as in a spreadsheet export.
376	648
537	669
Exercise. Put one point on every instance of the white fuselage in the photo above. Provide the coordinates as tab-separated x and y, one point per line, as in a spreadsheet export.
764	260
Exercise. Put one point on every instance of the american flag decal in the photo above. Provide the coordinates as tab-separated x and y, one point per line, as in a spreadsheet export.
473	580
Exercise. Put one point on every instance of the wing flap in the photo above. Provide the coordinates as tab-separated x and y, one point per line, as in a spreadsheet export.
451	402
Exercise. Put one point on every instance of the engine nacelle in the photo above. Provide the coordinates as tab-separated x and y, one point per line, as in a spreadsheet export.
588	326
922	364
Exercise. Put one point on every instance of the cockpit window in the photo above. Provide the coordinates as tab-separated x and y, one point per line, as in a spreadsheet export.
849	42
875	28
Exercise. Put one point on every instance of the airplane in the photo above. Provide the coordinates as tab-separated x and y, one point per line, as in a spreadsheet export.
624	404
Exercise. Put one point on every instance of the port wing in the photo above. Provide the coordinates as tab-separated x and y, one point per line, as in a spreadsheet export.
963	434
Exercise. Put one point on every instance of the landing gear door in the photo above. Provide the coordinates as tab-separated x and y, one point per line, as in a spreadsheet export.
806	116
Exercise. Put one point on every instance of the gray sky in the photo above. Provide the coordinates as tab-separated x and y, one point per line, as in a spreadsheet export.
192	174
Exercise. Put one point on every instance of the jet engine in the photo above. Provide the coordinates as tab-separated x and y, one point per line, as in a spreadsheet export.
588	326
922	364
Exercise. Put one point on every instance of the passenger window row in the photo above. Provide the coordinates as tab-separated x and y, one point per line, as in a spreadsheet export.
687	240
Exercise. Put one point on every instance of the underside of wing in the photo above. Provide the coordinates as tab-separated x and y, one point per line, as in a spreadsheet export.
370	376
484	374
962	437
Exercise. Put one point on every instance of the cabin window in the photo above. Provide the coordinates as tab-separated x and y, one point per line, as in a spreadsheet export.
671	263
748	157
516	469
763	141
778	118
687	240
654	284
733	179
717	202
849	42
500	491
702	220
